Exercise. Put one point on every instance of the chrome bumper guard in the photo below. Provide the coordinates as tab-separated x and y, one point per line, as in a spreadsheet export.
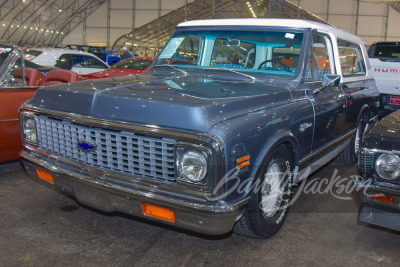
205	218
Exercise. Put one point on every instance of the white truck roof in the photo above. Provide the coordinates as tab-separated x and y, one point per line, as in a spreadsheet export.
291	23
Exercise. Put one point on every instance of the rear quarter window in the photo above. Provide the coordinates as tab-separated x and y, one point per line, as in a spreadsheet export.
351	58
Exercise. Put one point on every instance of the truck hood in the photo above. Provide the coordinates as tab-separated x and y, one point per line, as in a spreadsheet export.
190	103
385	134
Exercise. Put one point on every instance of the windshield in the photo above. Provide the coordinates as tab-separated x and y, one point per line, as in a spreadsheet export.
132	64
4	52
387	51
264	52
30	54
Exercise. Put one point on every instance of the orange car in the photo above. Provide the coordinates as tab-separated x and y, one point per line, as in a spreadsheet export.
19	80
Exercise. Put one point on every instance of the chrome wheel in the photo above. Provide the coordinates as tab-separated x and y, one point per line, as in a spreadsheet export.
272	191
360	133
268	206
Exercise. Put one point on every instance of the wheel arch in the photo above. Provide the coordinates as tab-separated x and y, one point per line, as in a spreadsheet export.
285	138
365	110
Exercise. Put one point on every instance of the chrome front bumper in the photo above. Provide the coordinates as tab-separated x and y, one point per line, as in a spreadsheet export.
377	212
203	217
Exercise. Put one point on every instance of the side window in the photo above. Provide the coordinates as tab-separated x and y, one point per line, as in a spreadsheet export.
351	59
90	62
64	62
319	62
78	61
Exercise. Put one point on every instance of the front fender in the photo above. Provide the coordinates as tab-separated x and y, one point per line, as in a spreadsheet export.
256	134
284	136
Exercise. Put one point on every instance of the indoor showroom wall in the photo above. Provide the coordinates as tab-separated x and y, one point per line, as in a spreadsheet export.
121	21
371	23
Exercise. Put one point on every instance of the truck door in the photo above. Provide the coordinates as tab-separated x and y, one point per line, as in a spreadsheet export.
329	102
359	89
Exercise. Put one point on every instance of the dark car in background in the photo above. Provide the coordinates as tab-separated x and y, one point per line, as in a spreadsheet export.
379	165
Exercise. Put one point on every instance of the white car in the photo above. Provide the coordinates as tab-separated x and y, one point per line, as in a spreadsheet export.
78	61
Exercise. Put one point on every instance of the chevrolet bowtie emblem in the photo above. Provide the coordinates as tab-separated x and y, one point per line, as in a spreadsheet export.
86	146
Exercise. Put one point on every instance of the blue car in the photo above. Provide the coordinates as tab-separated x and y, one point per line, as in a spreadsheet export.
109	56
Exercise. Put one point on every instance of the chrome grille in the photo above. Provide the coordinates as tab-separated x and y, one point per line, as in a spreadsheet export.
366	160
119	151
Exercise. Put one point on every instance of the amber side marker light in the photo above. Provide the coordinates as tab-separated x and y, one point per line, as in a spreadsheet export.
158	212
45	176
383	198
243	161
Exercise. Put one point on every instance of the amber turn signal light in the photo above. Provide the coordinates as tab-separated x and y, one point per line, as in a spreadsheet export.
45	176
243	161
158	212
383	198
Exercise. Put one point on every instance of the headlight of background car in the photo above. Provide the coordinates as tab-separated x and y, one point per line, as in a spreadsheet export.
388	166
191	165
28	126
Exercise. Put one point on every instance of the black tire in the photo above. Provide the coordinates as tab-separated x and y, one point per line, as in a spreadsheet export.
266	211
349	155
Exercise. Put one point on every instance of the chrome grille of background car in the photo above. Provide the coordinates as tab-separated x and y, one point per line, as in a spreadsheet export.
118	151
366	161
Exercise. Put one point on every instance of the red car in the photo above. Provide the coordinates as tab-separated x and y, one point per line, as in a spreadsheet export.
129	66
19	80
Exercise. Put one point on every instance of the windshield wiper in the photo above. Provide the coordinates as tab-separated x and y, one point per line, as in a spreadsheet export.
253	79
172	67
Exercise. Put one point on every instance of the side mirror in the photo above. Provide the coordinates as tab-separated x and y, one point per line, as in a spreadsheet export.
331	80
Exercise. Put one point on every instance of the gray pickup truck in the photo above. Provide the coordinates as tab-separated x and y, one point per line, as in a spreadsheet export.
213	136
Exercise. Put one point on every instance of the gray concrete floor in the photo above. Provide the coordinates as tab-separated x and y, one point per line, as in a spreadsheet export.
40	226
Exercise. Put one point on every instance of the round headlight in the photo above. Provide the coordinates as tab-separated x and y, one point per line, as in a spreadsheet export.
30	130
193	165
388	166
